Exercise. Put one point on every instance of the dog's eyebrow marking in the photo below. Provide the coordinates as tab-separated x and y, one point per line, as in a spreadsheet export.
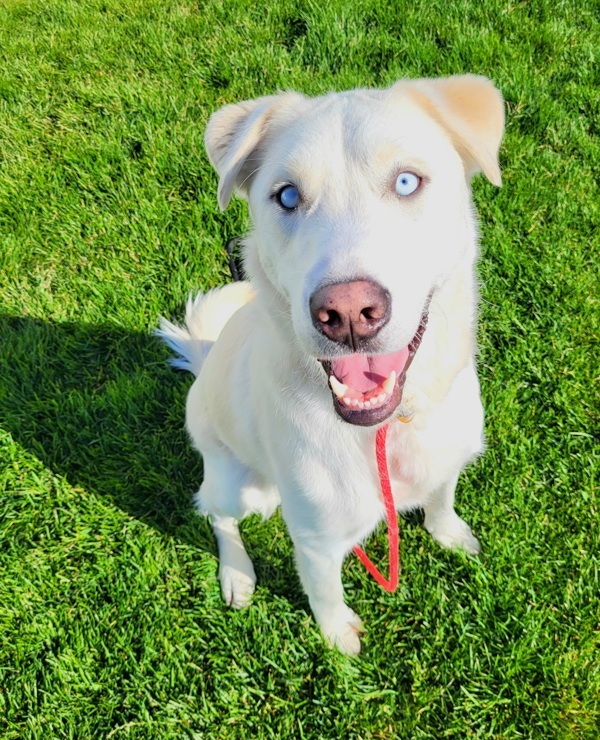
385	153
392	156
256	169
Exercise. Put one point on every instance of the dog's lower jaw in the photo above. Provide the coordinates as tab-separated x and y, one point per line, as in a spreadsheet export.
373	416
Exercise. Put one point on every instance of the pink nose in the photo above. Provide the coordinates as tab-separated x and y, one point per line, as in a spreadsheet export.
350	313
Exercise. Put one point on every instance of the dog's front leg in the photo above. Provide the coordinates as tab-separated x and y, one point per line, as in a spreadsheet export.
236	572
444	524
320	572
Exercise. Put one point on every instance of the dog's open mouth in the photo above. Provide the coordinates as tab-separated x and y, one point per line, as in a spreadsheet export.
366	389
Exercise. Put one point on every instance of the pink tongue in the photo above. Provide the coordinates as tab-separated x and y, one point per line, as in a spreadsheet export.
364	373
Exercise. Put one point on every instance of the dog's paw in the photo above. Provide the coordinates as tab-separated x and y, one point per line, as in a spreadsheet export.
237	586
454	534
343	632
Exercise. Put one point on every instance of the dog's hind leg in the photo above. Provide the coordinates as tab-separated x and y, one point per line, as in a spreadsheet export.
229	492
444	524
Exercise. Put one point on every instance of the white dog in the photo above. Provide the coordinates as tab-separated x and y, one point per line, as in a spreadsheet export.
360	308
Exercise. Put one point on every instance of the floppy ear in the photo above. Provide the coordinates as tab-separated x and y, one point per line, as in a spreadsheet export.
471	109
233	137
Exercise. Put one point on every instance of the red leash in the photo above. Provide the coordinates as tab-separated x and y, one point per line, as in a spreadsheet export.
391	516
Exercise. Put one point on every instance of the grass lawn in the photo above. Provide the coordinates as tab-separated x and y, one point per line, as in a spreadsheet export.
111	622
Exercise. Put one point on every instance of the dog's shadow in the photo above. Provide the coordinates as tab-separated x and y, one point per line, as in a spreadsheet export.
98	405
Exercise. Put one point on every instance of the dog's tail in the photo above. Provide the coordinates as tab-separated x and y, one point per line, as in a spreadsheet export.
205	316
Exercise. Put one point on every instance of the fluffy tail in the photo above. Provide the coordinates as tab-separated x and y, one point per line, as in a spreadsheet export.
205	317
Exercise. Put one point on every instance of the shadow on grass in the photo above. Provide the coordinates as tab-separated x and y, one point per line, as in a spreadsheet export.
100	406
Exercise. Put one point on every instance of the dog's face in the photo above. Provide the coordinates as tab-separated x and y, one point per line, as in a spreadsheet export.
361	206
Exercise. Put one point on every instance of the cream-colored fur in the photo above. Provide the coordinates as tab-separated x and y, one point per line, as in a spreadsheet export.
261	410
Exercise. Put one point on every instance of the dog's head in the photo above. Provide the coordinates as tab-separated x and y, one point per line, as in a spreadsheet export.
362	210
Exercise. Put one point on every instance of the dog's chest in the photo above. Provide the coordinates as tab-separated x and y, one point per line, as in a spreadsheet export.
408	466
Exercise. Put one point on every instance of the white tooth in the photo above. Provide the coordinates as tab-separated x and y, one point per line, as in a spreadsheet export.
338	388
361	405
355	401
381	398
388	385
347	401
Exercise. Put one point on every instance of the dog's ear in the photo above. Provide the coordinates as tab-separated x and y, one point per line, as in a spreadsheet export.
233	139
471	109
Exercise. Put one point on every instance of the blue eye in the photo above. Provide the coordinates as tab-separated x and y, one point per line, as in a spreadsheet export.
407	183
288	197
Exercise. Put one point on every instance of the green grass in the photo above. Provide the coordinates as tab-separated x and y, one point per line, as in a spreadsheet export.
111	623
